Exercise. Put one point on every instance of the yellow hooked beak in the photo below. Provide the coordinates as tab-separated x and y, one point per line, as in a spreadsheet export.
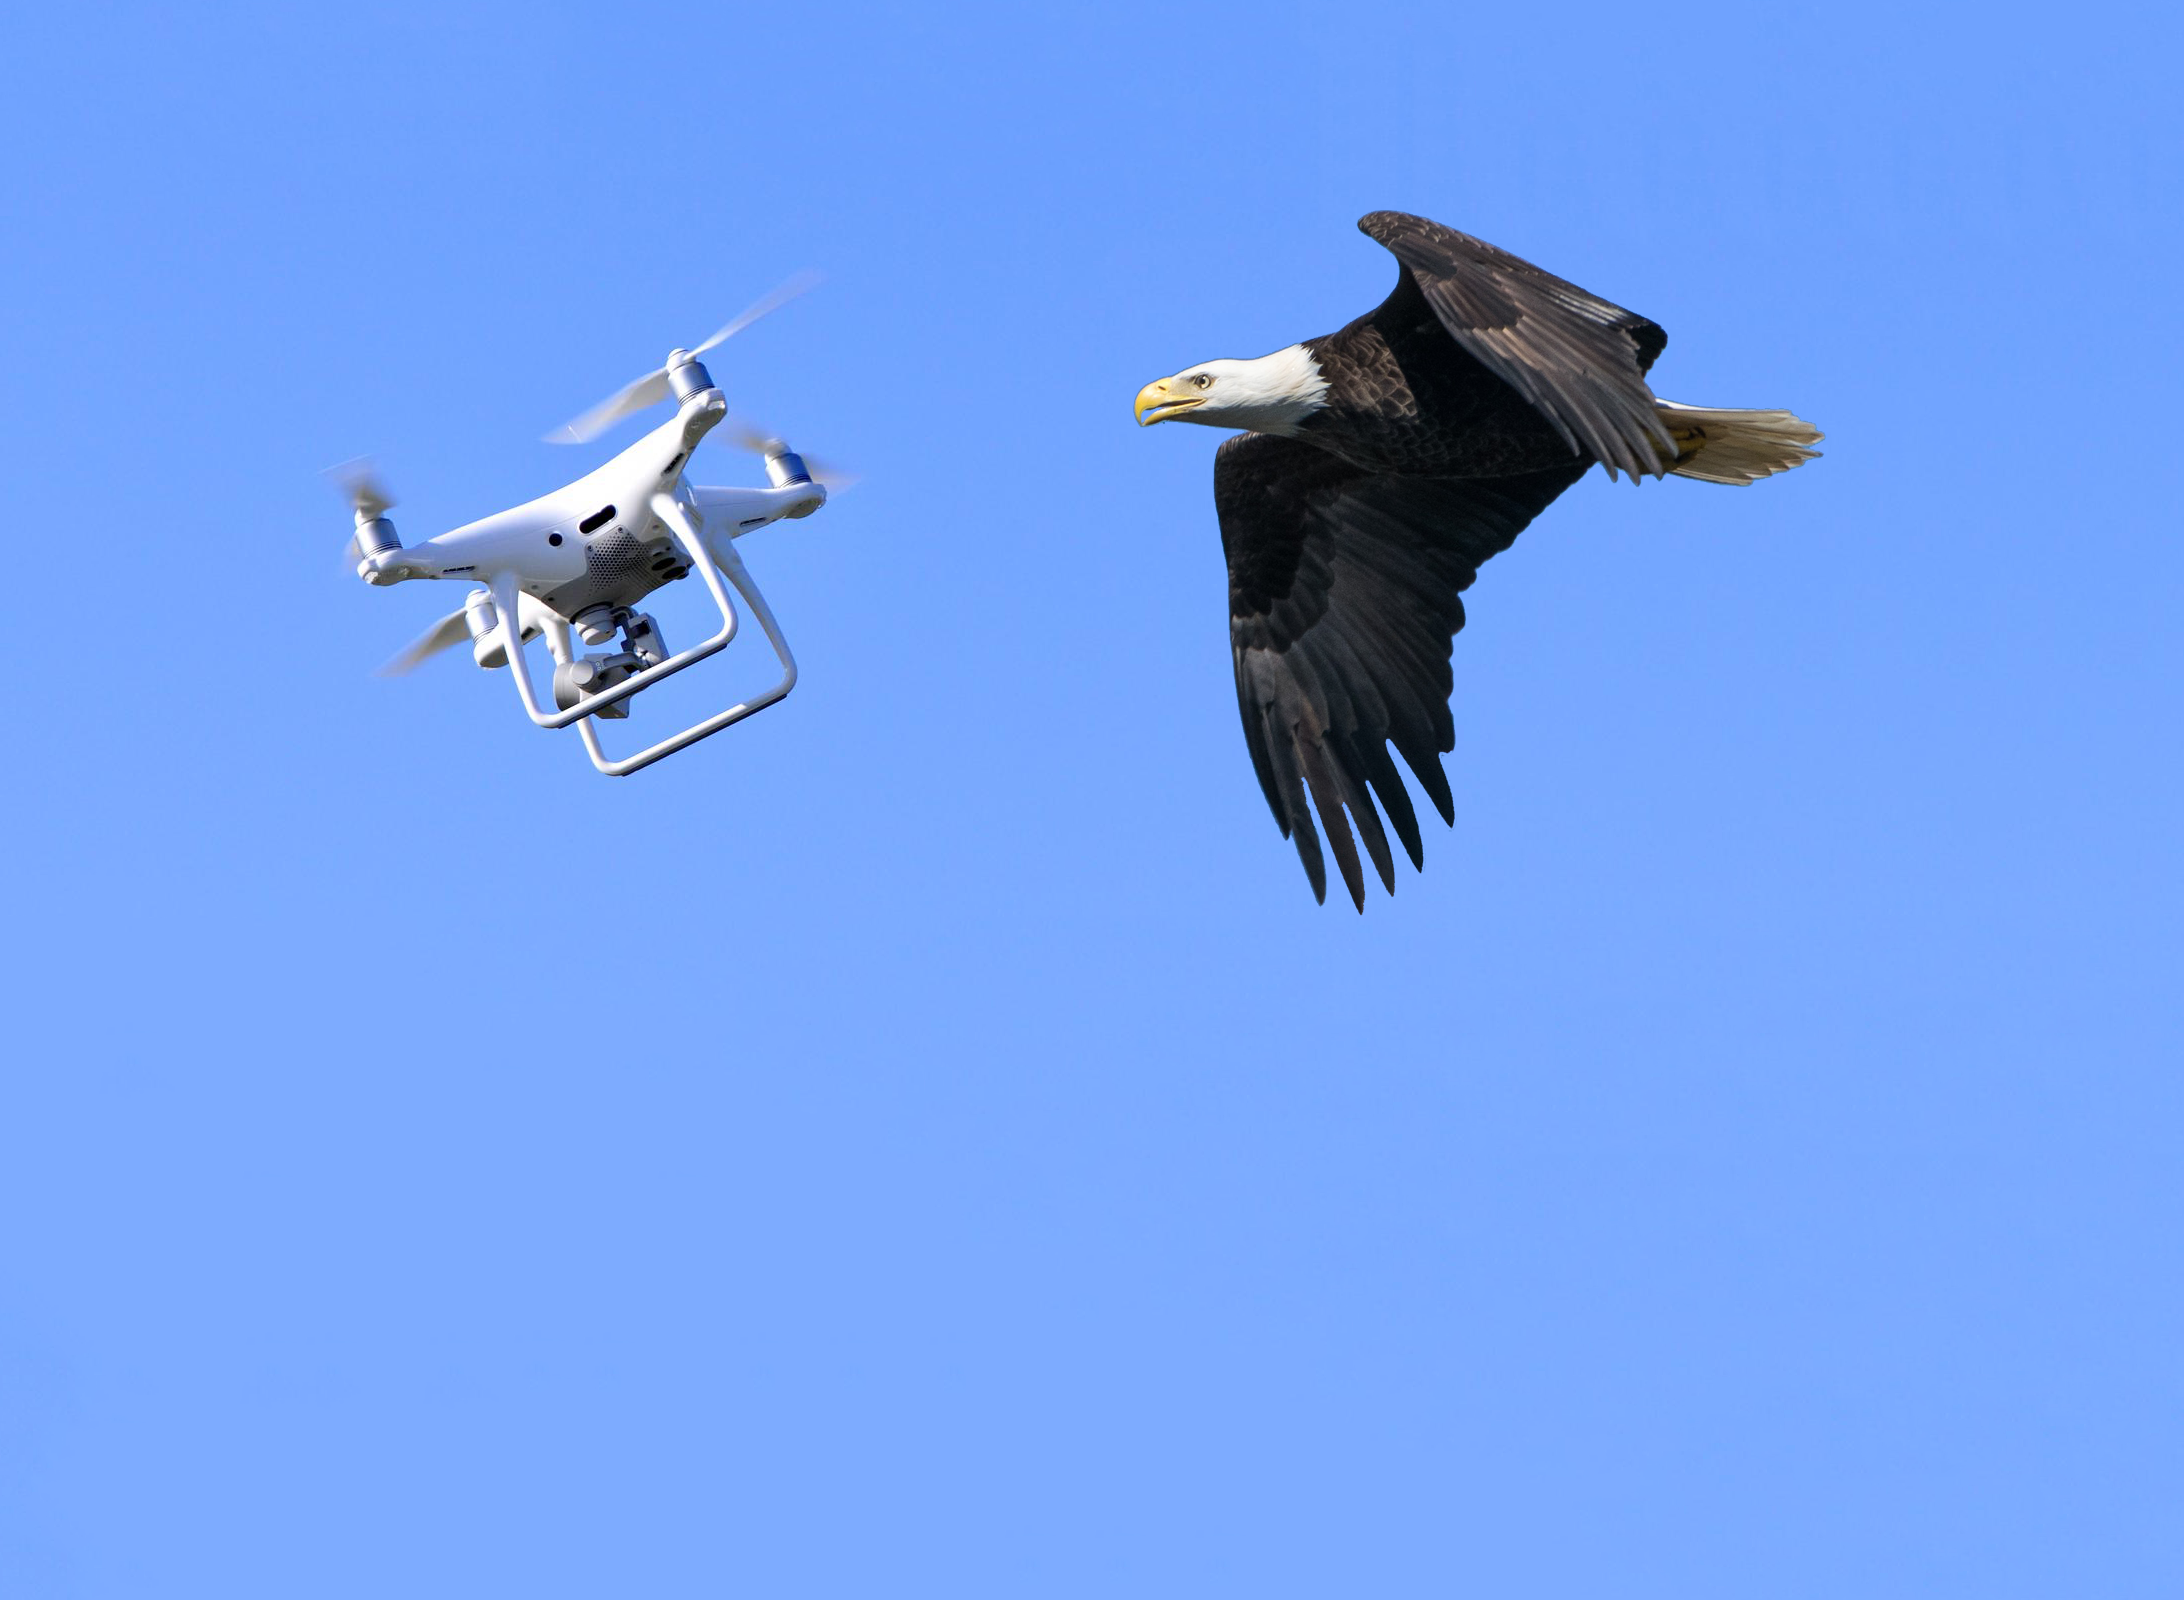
1156	402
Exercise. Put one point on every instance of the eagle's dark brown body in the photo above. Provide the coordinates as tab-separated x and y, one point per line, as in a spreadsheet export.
1415	403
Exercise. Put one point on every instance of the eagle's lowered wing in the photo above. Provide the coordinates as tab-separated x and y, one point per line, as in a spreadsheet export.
1579	360
1344	598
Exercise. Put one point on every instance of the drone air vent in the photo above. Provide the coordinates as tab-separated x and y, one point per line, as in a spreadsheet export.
597	519
614	555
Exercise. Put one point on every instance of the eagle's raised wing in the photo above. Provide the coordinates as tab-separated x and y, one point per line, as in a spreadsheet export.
1577	359
1343	601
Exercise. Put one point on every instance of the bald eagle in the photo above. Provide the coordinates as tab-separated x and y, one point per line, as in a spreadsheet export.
1380	467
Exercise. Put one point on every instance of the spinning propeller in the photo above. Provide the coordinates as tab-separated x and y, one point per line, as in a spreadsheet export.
454	629
367	493
745	434
361	485
369	498
653	386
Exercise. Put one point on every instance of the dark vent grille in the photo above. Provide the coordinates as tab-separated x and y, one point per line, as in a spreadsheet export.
614	557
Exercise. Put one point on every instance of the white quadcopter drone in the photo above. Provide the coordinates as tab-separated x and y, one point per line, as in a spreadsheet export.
580	559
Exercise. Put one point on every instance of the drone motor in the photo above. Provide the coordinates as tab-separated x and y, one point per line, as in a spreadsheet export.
487	647
686	376
375	536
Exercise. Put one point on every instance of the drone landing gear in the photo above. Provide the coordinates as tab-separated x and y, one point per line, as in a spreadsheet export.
641	665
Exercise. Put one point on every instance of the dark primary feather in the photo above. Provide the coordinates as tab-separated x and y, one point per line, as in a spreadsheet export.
1580	360
1344	598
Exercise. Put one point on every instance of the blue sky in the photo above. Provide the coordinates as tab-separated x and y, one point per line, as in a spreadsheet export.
928	1141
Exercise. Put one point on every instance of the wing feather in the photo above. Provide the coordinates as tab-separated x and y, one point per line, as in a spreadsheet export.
1344	598
1580	361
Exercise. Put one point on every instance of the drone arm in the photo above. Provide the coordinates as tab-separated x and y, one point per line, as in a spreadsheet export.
738	511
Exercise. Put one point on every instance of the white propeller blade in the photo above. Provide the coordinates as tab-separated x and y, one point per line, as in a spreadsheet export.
448	632
452	630
764	306
361	485
651	389
648	390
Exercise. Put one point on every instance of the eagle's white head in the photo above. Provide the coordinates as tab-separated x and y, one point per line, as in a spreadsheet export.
1273	394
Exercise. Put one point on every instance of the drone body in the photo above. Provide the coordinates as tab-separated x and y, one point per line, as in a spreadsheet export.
576	563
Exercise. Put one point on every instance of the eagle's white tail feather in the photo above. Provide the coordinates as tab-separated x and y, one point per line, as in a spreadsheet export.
1739	447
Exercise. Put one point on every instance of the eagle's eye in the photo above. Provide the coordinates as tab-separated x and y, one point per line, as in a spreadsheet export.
1204	380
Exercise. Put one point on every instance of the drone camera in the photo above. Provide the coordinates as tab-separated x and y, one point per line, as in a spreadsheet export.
590	675
643	647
